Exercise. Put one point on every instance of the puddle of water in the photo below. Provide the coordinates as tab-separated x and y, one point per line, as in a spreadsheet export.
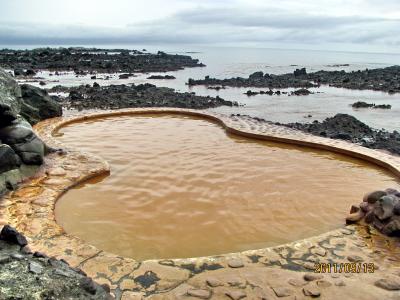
182	187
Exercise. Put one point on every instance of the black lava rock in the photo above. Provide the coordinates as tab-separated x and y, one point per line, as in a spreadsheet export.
127	96
38	105
300	72
89	60
385	79
11	235
6	115
8	159
346	127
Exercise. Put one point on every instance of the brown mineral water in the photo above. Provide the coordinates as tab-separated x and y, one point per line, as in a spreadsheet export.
183	187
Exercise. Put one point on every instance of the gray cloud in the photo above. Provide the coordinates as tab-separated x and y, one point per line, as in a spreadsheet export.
224	22
271	18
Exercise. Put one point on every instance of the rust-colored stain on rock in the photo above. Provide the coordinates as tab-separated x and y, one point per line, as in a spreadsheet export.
259	274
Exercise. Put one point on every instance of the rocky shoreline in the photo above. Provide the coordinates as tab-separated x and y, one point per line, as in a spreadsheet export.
362	104
346	127
129	96
92	60
22	152
384	79
259	79
299	92
27	275
264	273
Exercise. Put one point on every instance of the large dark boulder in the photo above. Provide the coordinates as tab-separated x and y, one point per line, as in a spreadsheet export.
11	235
24	142
37	105
7	116
18	72
8	159
21	151
10	92
256	75
300	72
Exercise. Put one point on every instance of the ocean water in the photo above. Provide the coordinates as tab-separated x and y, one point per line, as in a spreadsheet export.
232	62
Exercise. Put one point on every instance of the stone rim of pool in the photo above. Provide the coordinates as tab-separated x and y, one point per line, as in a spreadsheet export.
167	206
30	210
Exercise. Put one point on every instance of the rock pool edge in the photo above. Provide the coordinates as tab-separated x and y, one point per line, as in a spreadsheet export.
30	209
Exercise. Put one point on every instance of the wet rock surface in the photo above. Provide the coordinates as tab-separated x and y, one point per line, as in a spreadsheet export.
380	209
8	159
127	96
362	104
25	275
258	79
346	127
19	145
38	105
24	142
299	92
384	79
161	77
84	60
283	267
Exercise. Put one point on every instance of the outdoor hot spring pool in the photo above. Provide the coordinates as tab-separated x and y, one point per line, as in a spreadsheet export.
182	187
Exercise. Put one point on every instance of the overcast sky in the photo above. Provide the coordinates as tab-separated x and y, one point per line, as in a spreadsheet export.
366	25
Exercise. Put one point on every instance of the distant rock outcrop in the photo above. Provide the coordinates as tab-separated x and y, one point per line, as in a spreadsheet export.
385	79
346	127
128	96
362	104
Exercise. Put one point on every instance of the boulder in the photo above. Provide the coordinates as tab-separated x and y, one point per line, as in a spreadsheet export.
30	72
301	92
393	227
380	209
21	151
37	105
8	159
384	207
362	104
125	76
256	75
391	191
161	77
11	235
10	92
24	142
18	72
396	209
300	72
6	115
75	95
374	196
